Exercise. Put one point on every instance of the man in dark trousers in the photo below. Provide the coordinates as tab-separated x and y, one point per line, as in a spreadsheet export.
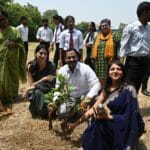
135	46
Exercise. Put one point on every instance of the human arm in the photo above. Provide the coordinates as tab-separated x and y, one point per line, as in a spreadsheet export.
89	113
125	41
94	86
48	74
37	80
80	40
39	35
30	82
45	78
11	44
81	55
60	57
61	47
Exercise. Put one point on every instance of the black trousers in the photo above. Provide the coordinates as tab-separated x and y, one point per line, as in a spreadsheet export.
56	55
136	68
146	77
88	59
26	48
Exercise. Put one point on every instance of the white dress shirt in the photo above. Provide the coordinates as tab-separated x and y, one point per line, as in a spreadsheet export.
135	40
65	39
83	79
24	30
45	34
58	29
91	38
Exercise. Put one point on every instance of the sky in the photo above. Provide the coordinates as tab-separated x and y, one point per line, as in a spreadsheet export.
118	11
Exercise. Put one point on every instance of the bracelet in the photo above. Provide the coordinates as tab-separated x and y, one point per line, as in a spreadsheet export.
80	120
94	111
86	100
100	106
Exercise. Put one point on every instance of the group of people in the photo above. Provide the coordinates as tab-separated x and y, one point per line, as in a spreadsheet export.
109	79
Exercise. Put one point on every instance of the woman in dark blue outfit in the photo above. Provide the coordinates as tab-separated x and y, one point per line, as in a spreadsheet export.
117	121
41	78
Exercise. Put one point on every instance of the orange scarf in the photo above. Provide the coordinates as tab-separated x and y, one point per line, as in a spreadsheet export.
109	48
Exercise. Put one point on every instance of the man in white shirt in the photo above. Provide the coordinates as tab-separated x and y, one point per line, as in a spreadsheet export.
24	31
70	38
135	46
82	78
44	34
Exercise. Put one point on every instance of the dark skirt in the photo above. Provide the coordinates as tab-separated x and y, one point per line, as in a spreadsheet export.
38	107
98	136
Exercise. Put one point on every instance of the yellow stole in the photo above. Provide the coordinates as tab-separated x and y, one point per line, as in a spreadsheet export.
109	48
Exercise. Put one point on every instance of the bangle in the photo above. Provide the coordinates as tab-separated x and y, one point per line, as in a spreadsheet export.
86	100
80	120
100	106
94	111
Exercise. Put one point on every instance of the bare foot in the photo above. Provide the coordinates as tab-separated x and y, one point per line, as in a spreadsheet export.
2	108
9	111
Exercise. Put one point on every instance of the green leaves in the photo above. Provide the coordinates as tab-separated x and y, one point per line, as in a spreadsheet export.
59	94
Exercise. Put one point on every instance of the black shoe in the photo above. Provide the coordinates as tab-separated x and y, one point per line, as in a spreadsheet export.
146	93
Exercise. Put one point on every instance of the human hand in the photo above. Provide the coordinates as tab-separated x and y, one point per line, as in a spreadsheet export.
69	128
52	47
122	60
41	40
85	102
25	94
84	105
11	43
88	45
101	112
60	63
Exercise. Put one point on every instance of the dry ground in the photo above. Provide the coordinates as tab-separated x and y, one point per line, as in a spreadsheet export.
20	132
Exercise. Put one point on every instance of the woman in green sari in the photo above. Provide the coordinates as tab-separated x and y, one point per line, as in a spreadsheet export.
12	60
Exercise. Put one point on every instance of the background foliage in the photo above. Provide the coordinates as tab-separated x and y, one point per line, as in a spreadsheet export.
34	16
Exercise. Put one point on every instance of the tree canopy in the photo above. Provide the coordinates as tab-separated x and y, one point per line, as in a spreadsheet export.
34	17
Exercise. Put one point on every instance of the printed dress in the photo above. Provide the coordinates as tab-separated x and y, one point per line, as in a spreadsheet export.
101	63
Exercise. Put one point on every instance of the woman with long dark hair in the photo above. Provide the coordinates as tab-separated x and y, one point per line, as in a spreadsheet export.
117	121
41	78
88	43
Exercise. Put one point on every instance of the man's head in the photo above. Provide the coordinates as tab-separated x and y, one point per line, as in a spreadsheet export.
71	58
56	19
45	22
3	20
23	20
143	11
